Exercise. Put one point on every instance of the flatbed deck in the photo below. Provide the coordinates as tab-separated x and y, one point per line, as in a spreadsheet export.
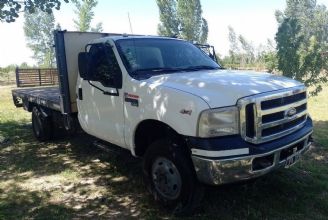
46	96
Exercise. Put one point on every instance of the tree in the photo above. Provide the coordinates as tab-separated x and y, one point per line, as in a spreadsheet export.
204	33
234	48
24	65
169	25
10	9
191	22
302	39
289	40
182	18
38	29
98	28
270	56
243	54
248	50
85	14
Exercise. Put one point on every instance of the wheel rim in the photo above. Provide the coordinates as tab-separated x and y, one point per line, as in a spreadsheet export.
166	178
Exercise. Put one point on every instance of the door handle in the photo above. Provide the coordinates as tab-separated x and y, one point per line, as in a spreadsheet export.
80	95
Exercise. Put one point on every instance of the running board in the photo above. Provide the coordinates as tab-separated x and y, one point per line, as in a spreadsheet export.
109	148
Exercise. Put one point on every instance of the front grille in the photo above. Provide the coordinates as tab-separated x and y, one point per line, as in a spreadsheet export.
250	126
282	127
269	116
283	101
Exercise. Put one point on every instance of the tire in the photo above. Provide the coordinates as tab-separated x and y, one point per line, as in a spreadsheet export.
42	126
170	177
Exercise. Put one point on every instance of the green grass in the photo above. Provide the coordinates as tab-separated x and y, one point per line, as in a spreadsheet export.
319	112
70	178
7	78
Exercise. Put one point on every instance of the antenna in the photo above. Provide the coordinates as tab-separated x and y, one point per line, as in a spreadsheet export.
131	30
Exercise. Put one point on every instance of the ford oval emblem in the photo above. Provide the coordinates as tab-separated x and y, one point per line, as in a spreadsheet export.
290	112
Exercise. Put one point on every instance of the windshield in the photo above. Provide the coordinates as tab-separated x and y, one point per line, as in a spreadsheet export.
148	57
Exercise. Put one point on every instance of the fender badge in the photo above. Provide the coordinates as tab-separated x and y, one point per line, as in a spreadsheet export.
133	99
186	112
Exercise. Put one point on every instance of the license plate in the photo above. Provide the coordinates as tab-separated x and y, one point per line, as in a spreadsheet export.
291	160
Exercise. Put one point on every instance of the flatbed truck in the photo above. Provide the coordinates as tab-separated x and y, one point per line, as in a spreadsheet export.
165	100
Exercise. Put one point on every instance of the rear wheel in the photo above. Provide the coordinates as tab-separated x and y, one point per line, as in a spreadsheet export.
42	126
169	176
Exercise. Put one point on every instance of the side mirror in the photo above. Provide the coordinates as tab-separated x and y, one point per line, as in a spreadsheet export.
113	82
83	60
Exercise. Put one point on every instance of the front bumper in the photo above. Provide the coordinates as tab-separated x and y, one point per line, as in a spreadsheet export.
230	158
215	171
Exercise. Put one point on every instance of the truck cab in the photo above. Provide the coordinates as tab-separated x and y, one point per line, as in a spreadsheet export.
191	121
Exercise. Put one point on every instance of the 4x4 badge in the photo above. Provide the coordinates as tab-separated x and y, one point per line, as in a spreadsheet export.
186	112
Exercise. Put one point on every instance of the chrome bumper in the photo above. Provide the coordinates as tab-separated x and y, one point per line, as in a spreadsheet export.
216	172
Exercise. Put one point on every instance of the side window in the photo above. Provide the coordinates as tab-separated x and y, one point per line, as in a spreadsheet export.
103	65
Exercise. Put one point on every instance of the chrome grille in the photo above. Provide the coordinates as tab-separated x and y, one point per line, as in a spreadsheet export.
272	115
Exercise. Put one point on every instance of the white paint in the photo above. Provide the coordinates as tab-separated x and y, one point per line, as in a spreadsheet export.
101	115
220	88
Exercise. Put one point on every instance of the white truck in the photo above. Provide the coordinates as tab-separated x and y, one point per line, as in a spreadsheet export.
166	100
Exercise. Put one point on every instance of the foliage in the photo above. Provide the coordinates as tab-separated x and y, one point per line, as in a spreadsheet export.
204	33
244	55
302	41
85	14
7	74
192	25
270	60
38	29
9	68
182	18
10	9
169	25
98	28
248	50
234	48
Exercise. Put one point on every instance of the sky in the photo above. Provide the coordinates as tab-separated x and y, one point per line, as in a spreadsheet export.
254	19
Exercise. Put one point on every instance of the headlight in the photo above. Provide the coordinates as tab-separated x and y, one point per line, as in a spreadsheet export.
219	122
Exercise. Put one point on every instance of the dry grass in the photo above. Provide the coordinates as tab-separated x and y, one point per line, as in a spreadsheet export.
7	78
70	178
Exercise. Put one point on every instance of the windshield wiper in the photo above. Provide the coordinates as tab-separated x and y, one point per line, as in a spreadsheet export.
158	70
149	72
204	67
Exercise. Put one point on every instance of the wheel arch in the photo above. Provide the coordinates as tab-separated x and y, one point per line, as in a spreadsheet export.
150	130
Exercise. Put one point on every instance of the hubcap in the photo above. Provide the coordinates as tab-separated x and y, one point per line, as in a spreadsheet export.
166	178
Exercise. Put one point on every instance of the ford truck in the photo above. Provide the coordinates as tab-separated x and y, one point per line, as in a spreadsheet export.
168	102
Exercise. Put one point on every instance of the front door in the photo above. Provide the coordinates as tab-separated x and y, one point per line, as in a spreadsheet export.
100	102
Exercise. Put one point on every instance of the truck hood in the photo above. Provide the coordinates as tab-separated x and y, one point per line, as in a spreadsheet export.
221	88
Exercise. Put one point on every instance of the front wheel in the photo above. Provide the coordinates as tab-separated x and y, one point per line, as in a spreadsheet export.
169	176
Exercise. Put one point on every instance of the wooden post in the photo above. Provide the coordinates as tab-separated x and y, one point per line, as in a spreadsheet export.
39	71
17	76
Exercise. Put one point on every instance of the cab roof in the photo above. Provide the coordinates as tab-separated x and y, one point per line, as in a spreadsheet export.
126	36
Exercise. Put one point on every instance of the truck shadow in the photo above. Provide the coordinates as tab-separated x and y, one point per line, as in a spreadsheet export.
72	178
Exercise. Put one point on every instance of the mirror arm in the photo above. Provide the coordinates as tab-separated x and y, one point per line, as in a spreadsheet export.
105	92
112	93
